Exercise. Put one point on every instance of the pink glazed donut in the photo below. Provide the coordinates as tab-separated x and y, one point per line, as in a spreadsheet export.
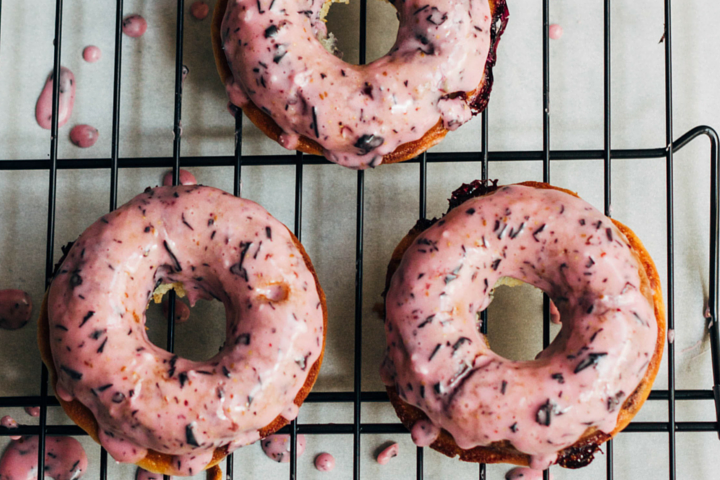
460	397
144	404
270	55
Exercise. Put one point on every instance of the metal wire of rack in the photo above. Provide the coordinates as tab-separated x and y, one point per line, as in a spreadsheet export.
357	397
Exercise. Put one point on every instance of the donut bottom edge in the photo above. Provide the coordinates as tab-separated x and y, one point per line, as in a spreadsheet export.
403	152
157	462
581	453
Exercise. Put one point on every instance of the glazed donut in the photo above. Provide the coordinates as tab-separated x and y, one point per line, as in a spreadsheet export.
460	397
270	55
145	405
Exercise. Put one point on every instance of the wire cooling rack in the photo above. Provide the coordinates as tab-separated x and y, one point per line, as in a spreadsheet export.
357	397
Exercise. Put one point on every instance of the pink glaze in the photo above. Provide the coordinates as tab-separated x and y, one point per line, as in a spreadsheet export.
65	459
325	462
142	474
277	447
15	309
134	26
8	422
84	136
33	411
388	453
186	178
524	473
43	108
143	397
199	10
356	113
182	311
438	361
555	31
92	54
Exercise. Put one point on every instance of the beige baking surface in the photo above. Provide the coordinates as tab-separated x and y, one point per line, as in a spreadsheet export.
391	192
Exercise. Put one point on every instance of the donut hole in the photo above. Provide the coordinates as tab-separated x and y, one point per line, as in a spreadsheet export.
515	320
199	338
381	20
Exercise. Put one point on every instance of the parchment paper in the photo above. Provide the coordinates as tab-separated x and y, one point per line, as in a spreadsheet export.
329	192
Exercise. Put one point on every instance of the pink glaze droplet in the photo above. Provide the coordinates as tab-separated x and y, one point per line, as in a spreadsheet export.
8	422
134	26
199	10
391	451
43	108
142	474
186	178
325	462
33	411
15	309
84	136
277	447
424	433
92	54
65	459
182	311
524	473
556	31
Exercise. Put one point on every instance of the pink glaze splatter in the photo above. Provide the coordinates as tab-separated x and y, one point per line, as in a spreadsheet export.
186	178
92	54
391	451
33	411
15	309
182	311
142	474
524	473
232	109
199	10
134	26
8	422
65	459
556	31
325	462
84	136
277	447
43	108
